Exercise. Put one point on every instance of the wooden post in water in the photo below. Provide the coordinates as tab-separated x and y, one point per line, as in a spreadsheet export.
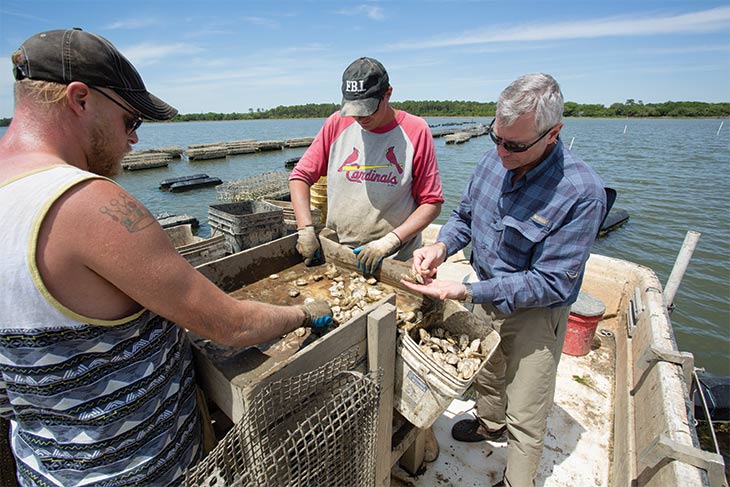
680	266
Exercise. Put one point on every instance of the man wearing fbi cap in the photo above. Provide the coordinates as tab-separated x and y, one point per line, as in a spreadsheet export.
96	374
383	183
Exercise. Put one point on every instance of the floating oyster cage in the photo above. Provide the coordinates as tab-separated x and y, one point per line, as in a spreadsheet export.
273	185
424	388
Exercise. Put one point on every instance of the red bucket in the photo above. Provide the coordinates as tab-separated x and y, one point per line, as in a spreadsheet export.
584	316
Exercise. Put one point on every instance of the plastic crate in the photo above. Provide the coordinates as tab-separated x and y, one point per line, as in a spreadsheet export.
246	224
290	221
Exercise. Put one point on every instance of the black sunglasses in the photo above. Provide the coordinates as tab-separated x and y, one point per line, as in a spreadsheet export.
513	146
131	125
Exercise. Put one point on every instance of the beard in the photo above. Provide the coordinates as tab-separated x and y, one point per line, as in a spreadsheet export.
104	159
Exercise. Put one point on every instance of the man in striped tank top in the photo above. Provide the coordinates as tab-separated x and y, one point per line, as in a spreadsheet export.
96	372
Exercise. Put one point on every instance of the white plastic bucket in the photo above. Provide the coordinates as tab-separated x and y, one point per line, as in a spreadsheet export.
423	388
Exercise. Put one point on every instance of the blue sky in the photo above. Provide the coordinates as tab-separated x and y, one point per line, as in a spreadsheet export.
236	55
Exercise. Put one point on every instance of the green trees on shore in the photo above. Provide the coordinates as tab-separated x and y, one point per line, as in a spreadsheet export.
638	109
436	108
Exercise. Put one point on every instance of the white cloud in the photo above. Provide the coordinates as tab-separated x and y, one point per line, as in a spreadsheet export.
703	21
22	15
264	22
147	53
683	50
373	12
266	67
229	75
671	69
131	24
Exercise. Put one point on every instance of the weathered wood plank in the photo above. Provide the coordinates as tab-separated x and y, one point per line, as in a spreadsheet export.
381	333
412	459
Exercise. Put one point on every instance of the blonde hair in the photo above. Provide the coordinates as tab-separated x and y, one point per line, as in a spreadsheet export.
39	91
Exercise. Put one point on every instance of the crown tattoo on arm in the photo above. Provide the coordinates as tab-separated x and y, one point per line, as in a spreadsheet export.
130	214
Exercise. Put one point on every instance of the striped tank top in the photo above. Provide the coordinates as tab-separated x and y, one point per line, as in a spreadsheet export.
91	402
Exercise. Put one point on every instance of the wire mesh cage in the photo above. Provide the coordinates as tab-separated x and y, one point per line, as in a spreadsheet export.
314	429
267	185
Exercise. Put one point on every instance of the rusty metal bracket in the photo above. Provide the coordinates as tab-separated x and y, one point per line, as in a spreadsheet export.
664	448
653	355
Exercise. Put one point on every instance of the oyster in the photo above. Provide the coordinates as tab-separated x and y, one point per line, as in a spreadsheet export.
408	316
374	294
466	368
423	334
337	290
332	271
413	277
456	355
451	358
408	326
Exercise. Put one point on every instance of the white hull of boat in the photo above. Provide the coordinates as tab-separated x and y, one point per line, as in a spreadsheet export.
618	411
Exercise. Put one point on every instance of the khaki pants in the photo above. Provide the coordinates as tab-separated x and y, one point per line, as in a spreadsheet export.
517	385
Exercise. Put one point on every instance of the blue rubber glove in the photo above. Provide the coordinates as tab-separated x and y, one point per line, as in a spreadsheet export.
370	256
317	315
321	325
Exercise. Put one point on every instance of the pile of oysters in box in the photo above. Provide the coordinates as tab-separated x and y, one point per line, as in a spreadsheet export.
458	355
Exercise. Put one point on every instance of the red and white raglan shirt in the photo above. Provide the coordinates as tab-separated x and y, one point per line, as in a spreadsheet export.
375	179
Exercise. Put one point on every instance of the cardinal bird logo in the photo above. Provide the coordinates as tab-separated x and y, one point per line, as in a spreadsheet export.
356	172
348	164
390	155
351	165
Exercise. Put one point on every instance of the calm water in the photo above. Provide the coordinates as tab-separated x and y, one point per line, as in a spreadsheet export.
671	175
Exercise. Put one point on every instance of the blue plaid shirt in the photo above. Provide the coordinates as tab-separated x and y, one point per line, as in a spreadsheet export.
531	240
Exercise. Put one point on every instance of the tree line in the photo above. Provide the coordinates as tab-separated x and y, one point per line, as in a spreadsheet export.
436	108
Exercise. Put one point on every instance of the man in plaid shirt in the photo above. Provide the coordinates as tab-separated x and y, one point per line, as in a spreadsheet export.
531	211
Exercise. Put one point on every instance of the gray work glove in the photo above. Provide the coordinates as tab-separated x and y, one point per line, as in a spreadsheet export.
308	245
318	315
369	256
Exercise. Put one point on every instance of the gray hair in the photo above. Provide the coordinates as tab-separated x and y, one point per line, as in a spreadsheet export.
536	92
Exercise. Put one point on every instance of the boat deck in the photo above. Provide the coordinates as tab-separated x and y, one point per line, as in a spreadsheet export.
578	443
578	447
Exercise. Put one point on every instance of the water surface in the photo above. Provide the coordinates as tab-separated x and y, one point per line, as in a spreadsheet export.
671	176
